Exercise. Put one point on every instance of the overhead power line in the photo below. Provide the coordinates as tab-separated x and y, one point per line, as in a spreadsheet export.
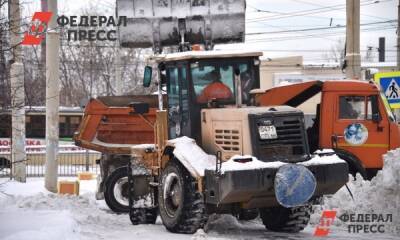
315	35
319	28
311	11
319	5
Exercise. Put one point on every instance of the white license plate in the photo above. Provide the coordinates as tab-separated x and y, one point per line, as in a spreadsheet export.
267	132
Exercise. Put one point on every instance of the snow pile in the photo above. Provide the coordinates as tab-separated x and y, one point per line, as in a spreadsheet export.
192	156
233	164
38	225
146	201
28	211
25	214
381	195
324	151
322	159
197	161
223	223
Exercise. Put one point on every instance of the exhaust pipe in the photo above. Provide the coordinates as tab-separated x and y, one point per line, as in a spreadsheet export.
238	87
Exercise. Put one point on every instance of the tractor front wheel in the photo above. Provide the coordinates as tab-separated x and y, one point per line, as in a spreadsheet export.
181	205
280	219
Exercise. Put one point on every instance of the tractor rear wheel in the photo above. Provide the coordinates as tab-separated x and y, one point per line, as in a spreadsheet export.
181	205
280	219
116	191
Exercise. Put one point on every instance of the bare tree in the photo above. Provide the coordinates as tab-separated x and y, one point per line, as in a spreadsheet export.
337	52
87	69
4	49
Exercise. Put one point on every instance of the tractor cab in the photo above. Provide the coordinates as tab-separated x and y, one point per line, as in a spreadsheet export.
196	80
208	99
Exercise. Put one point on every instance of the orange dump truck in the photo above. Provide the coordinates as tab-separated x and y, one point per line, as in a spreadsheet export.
110	127
353	118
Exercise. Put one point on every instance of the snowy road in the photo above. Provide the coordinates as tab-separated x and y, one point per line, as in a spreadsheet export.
27	211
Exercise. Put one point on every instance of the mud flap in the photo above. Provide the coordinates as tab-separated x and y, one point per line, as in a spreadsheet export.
141	193
294	185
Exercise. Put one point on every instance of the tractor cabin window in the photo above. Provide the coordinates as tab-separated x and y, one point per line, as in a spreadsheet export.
205	73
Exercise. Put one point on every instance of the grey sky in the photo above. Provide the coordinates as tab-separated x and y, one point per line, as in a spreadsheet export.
277	15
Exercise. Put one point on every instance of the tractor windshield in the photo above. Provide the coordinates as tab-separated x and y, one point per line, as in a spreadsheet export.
216	79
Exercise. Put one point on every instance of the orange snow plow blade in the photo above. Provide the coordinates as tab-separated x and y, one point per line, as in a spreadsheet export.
110	125
291	95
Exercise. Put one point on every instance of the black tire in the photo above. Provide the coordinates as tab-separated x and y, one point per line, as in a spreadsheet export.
354	163
248	214
280	219
116	200
143	216
184	211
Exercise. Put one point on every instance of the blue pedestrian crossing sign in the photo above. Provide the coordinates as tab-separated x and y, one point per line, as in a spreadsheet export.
390	86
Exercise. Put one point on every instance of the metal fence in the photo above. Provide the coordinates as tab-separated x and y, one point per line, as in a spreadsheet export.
71	161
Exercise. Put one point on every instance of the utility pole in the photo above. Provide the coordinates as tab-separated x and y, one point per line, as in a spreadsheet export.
353	57
18	154
52	99
398	36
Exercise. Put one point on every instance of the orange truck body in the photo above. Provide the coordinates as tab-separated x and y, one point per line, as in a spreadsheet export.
380	136
111	126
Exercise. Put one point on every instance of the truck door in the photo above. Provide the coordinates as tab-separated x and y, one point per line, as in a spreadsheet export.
178	101
356	130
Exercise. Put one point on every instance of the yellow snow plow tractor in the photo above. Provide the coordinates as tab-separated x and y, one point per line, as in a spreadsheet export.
214	150
224	155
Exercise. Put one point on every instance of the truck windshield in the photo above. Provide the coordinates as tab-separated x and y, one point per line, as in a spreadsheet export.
205	73
387	107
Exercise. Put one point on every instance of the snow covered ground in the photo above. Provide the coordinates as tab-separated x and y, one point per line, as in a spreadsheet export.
28	211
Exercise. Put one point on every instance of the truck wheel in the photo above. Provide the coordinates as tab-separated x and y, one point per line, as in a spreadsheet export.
355	165
280	219
182	208
143	216
116	191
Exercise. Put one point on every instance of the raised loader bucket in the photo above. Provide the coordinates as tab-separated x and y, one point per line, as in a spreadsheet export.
158	23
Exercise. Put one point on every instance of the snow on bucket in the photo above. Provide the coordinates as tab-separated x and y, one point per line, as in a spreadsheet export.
294	185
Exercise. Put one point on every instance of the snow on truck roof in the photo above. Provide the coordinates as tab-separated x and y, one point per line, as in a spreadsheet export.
203	55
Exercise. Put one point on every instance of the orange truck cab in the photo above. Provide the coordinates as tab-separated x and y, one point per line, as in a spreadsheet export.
353	118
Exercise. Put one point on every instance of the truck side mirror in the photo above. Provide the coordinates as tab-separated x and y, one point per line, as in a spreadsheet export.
376	117
148	73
